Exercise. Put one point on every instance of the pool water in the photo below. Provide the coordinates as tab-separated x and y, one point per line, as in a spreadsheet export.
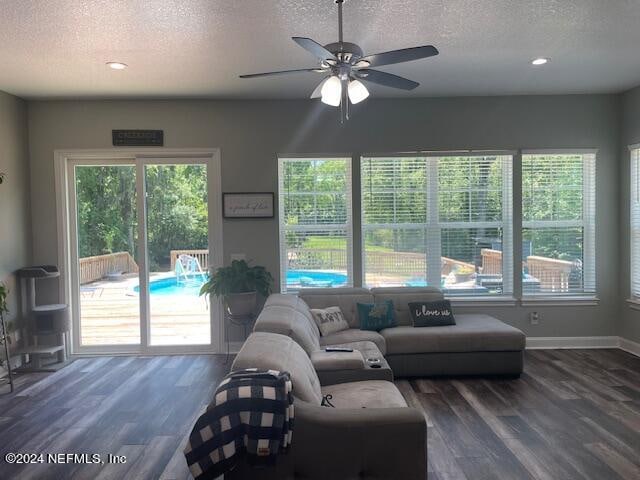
315	278
295	278
170	285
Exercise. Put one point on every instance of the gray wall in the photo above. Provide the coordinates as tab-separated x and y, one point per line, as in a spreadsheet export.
629	320
251	133
15	214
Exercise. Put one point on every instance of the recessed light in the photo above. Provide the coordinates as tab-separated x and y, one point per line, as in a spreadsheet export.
539	61
117	65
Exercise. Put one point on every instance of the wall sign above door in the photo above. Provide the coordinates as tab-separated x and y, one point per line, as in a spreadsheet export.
137	138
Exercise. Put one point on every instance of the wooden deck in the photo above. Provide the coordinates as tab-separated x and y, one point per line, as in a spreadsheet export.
110	315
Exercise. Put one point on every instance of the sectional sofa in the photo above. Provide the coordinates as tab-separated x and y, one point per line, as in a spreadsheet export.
477	345
370	433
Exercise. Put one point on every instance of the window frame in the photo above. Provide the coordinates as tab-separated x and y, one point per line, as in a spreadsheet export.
282	227
433	226
588	224
634	225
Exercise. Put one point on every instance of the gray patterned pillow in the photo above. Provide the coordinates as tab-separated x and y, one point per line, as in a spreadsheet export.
329	320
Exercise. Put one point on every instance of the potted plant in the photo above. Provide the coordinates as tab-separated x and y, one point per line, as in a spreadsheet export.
4	293
4	330
464	274
238	285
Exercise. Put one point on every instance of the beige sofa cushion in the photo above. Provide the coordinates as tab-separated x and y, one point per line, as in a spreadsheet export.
472	333
366	394
294	302
289	321
276	352
354	335
368	349
345	298
330	361
401	296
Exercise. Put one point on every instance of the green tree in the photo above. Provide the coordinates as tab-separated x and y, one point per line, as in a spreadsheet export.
107	211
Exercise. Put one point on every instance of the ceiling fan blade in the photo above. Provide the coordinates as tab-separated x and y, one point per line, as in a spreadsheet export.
317	93
386	79
314	48
400	56
282	72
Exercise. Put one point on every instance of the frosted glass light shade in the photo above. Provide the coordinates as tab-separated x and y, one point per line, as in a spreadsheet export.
357	91
332	91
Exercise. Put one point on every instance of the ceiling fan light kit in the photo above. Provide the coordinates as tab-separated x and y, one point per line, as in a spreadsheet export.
347	66
331	91
357	91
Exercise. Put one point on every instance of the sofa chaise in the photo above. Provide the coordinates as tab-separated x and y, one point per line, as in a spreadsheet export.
477	345
371	433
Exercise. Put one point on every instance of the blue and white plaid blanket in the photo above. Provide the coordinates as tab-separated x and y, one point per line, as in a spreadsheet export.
252	412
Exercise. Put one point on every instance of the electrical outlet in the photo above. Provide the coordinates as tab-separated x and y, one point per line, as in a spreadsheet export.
238	256
534	318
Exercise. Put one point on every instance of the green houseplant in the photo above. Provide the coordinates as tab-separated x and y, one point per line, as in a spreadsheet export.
4	331
4	308
238	285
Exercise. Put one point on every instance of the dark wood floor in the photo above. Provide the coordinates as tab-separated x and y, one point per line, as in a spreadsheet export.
574	414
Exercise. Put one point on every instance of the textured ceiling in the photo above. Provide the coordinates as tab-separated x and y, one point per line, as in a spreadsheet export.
197	48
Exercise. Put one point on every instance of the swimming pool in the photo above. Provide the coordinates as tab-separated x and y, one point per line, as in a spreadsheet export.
171	286
315	278
295	278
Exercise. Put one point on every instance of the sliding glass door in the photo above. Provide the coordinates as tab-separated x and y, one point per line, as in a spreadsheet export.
177	239
139	253
107	254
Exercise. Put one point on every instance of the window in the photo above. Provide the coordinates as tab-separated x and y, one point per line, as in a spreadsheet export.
558	223
443	221
315	222
635	223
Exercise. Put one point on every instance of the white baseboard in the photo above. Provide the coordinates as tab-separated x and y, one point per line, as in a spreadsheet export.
629	346
542	343
539	343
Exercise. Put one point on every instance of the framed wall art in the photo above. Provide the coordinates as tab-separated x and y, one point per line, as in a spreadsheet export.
248	205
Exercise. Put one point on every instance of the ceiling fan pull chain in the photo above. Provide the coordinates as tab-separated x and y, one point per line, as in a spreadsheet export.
346	101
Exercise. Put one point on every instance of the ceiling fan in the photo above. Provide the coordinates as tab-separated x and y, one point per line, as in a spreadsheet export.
345	65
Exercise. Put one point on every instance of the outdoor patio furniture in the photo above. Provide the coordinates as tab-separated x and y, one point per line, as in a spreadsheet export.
90	292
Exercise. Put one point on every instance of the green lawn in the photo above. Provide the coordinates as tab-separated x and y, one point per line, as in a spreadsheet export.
336	243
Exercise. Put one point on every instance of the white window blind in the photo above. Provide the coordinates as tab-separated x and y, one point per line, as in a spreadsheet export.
315	222
444	221
558	223
635	223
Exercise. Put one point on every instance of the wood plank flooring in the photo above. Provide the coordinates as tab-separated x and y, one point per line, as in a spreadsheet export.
574	414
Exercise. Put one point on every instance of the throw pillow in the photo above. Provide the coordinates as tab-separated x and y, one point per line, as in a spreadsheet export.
431	314
376	316
329	320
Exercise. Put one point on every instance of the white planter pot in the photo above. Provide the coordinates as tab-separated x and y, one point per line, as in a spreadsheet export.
241	304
